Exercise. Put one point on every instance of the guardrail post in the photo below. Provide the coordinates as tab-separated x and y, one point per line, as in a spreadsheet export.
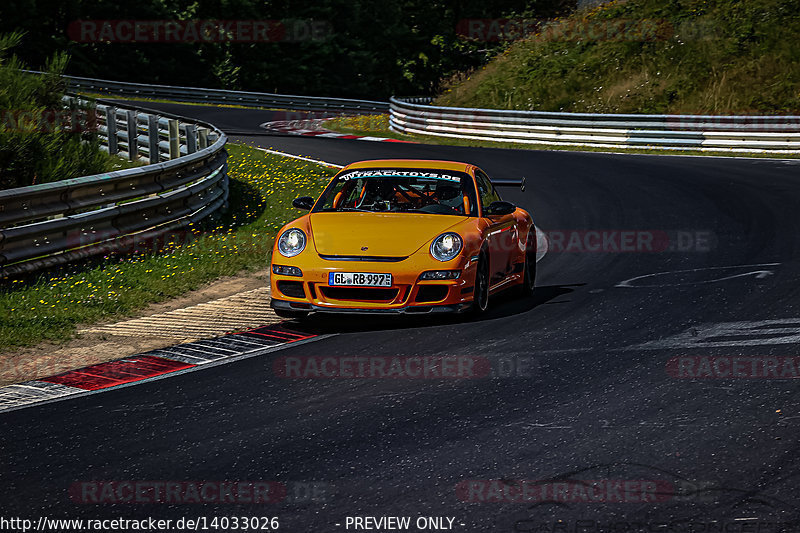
226	186
111	127
191	138
202	134
133	136
152	137
174	139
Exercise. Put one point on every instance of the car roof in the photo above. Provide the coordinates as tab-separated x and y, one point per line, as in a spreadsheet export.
411	163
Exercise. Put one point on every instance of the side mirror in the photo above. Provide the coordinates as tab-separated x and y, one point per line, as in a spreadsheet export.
304	202
499	208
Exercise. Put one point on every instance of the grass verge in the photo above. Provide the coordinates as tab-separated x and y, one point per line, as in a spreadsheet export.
49	305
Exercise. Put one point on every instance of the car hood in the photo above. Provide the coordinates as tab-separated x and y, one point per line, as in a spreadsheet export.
382	234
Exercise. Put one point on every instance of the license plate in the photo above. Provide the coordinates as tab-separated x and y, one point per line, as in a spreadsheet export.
359	279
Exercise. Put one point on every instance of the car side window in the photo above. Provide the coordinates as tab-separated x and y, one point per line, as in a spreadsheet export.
485	189
345	193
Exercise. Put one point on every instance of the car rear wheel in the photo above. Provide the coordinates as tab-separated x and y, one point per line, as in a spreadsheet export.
480	295
529	268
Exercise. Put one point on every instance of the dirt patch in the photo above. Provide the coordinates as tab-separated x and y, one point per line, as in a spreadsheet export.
233	303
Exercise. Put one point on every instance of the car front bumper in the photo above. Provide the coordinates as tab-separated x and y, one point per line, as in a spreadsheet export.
407	294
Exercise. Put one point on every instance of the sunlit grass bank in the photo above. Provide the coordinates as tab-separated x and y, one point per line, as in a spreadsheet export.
48	306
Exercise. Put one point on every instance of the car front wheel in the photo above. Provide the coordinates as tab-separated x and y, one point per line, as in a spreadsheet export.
480	295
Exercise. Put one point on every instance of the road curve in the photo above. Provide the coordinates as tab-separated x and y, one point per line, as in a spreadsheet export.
598	399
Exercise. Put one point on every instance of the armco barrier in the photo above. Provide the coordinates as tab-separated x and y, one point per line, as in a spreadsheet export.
221	96
52	223
735	134
744	134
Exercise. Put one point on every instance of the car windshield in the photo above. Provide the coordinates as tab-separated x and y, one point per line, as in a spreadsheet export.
400	190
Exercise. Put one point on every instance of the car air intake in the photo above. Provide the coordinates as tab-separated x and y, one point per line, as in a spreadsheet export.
363	294
292	289
431	293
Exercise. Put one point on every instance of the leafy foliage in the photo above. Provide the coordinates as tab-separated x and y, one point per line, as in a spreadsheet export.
33	148
374	48
706	56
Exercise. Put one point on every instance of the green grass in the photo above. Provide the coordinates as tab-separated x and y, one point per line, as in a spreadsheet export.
378	125
117	162
371	125
705	57
49	306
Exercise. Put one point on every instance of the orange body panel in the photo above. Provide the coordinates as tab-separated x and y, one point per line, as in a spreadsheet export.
397	243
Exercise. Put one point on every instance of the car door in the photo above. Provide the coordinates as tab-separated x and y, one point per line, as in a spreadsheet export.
502	232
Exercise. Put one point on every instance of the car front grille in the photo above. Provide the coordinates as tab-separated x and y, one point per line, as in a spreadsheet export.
359	294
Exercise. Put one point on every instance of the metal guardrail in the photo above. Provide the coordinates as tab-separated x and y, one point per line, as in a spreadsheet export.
744	134
159	136
220	96
53	223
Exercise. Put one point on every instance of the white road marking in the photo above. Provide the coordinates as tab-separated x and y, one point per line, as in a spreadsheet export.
24	394
32	393
759	274
722	334
310	160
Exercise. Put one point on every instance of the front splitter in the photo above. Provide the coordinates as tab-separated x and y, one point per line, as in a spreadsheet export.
408	310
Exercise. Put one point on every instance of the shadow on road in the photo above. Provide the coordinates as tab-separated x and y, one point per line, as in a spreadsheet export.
502	305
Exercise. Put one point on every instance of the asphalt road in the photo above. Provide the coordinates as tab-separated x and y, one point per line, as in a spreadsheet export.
596	402
229	119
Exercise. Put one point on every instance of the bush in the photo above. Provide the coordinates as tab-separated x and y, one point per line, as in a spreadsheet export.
38	141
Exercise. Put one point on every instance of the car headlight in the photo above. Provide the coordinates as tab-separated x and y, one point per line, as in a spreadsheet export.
291	242
446	246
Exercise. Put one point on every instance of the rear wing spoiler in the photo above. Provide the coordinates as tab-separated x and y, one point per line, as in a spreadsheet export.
510	182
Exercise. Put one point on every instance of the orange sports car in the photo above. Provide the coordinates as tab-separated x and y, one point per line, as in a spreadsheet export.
402	236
